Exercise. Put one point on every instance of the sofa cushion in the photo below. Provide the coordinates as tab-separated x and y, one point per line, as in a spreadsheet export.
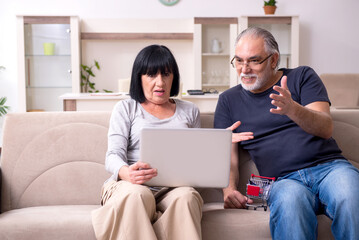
219	223
342	88
226	224
53	158
49	222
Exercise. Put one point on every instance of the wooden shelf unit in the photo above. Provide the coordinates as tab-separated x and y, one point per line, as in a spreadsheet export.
136	36
213	69
286	31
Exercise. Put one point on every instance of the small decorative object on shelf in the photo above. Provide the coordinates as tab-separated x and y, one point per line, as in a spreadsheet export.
49	48
216	46
270	6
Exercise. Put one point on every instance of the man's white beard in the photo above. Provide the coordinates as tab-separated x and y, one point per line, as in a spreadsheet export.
252	87
259	82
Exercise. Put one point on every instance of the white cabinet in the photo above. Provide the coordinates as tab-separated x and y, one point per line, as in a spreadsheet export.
285	30
213	48
48	61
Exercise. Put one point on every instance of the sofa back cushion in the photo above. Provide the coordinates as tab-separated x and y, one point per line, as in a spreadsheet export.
53	158
342	88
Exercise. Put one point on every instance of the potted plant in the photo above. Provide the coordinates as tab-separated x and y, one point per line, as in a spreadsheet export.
86	73
3	111
3	107
270	6
86	83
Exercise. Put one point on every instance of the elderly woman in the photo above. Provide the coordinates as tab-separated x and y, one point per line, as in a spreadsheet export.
130	209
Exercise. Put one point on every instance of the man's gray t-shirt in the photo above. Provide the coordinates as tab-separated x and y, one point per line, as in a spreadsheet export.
127	120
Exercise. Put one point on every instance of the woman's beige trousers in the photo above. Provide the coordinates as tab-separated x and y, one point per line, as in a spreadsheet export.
130	211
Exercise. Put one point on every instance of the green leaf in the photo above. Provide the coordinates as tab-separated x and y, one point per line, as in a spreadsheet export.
270	3
2	100
84	67
91	73
3	108
92	85
97	65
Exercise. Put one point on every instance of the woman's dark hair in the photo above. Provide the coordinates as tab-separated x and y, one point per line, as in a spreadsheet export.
151	60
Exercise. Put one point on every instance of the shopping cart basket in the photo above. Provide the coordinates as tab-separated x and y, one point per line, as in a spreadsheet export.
259	187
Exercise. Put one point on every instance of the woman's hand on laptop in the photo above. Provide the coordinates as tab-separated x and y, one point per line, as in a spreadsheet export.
137	173
234	199
238	137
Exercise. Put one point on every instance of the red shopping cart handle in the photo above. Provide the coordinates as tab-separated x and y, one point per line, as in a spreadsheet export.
270	178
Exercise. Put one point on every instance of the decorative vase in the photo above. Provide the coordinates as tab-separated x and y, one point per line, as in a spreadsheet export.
49	48
269	9
216	46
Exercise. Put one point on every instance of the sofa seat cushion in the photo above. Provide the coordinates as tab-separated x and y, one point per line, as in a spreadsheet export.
49	222
219	223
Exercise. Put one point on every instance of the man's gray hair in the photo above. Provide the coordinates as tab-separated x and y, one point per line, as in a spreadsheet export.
270	44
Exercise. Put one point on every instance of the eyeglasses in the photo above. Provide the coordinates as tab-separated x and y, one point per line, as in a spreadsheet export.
210	90
238	63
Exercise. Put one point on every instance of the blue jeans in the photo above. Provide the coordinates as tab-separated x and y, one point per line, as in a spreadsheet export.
331	188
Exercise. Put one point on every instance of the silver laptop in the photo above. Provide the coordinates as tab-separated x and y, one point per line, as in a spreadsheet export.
197	157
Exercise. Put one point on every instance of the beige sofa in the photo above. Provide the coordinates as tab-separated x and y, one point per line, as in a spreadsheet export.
52	168
343	89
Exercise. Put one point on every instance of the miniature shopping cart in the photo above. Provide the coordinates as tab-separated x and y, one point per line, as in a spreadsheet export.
259	187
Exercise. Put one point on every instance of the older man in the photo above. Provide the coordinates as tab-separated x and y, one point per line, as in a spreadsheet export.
286	126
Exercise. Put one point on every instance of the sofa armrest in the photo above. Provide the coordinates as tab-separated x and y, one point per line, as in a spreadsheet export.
346	132
0	185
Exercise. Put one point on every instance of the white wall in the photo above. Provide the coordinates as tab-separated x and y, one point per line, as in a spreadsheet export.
329	36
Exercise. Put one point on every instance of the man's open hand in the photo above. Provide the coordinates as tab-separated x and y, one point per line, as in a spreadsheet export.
238	137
